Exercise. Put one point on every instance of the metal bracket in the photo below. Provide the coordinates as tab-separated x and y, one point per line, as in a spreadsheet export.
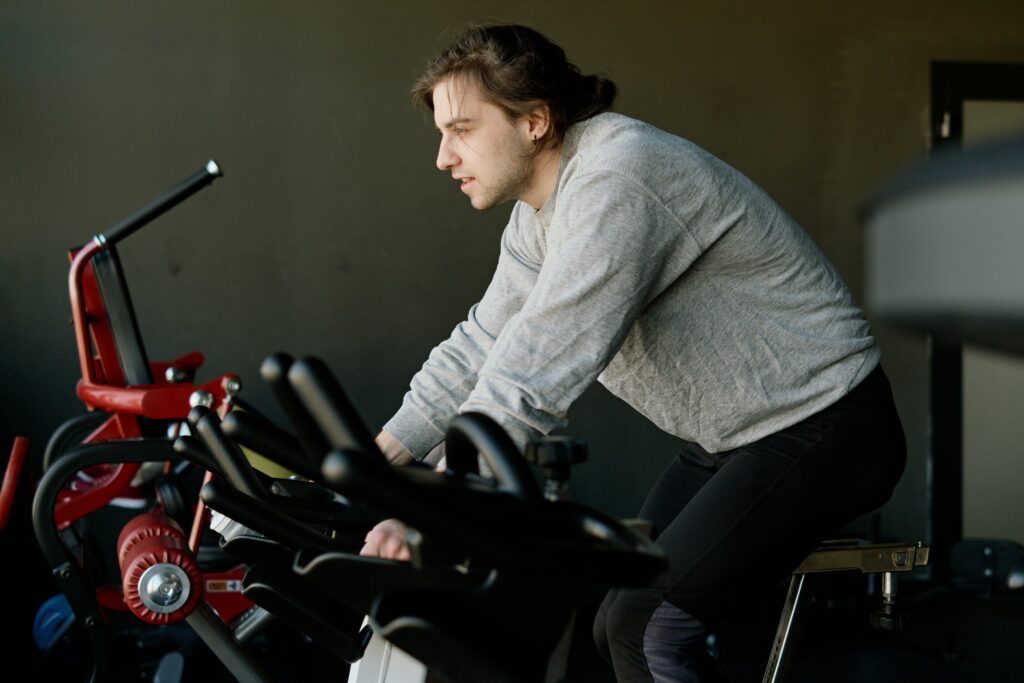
866	558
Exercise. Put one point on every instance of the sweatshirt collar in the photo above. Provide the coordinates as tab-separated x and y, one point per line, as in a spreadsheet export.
570	143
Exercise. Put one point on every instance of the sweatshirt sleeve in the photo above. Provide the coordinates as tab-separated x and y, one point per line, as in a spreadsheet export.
450	372
607	245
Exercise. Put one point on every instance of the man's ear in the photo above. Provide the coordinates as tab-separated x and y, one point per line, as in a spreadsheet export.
539	121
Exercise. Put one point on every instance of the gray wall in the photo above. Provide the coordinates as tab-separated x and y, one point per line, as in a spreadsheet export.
332	233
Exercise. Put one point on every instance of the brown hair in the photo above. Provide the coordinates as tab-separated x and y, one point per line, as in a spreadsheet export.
517	69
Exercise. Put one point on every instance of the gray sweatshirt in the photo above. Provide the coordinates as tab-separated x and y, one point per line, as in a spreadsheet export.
664	274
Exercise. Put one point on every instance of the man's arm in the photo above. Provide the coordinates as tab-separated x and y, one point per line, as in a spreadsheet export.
450	373
612	247
446	380
393	449
397	454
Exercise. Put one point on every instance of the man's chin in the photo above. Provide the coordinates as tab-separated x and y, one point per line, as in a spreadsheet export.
484	203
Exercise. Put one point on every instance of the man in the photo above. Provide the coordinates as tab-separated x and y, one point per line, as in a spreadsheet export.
638	259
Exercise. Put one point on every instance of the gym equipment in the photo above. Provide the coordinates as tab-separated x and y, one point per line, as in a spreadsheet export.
10	480
162	583
540	557
121	450
492	559
512	574
887	559
272	534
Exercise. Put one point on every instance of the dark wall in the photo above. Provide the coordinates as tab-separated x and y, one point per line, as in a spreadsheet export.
332	233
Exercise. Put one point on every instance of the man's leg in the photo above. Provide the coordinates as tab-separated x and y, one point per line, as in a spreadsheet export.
676	486
743	532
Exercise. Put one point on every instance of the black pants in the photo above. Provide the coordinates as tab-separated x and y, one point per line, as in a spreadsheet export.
738	522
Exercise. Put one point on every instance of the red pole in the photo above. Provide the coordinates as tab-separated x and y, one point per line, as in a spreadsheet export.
11	478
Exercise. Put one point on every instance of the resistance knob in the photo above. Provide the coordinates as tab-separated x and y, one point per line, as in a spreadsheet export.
160	577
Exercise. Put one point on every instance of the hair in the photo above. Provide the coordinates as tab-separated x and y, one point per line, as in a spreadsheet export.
517	69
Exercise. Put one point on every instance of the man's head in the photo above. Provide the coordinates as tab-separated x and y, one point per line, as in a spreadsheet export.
503	97
517	69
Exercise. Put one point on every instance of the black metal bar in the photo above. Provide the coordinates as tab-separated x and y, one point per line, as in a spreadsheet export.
232	461
261	518
787	634
192	449
248	407
274	371
270	441
472	433
389	491
124	324
162	204
222	643
324	399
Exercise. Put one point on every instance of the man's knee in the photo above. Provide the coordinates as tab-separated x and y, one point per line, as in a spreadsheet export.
601	627
673	644
619	624
647	638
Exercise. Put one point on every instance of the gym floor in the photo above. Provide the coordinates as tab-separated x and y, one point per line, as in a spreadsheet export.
951	636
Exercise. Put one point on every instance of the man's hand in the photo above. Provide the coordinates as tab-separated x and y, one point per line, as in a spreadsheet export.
387	541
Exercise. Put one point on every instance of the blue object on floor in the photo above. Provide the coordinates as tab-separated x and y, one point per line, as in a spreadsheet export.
53	618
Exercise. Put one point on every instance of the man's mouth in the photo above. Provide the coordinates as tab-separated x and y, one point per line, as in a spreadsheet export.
465	183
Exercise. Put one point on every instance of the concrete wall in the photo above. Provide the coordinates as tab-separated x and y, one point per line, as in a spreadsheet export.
332	233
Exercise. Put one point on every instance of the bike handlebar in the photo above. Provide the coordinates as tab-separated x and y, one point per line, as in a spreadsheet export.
161	204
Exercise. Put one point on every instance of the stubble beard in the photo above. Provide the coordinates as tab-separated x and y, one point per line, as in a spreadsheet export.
511	180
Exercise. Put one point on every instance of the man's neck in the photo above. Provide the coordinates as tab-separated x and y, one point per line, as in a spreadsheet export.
545	174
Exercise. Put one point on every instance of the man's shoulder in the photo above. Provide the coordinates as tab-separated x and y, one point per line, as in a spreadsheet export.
609	130
617	143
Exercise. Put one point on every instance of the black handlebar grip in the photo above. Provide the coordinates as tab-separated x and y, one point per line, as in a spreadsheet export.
161	204
262	518
329	406
195	414
274	371
390	491
472	433
232	461
270	441
193	450
382	487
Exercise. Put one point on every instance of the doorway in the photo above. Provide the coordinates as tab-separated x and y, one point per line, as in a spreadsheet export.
976	455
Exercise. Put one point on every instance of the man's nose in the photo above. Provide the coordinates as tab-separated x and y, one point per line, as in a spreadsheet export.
446	157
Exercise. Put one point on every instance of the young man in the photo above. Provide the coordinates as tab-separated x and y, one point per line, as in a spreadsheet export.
635	258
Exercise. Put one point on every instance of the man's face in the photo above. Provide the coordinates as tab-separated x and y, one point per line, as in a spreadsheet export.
488	154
